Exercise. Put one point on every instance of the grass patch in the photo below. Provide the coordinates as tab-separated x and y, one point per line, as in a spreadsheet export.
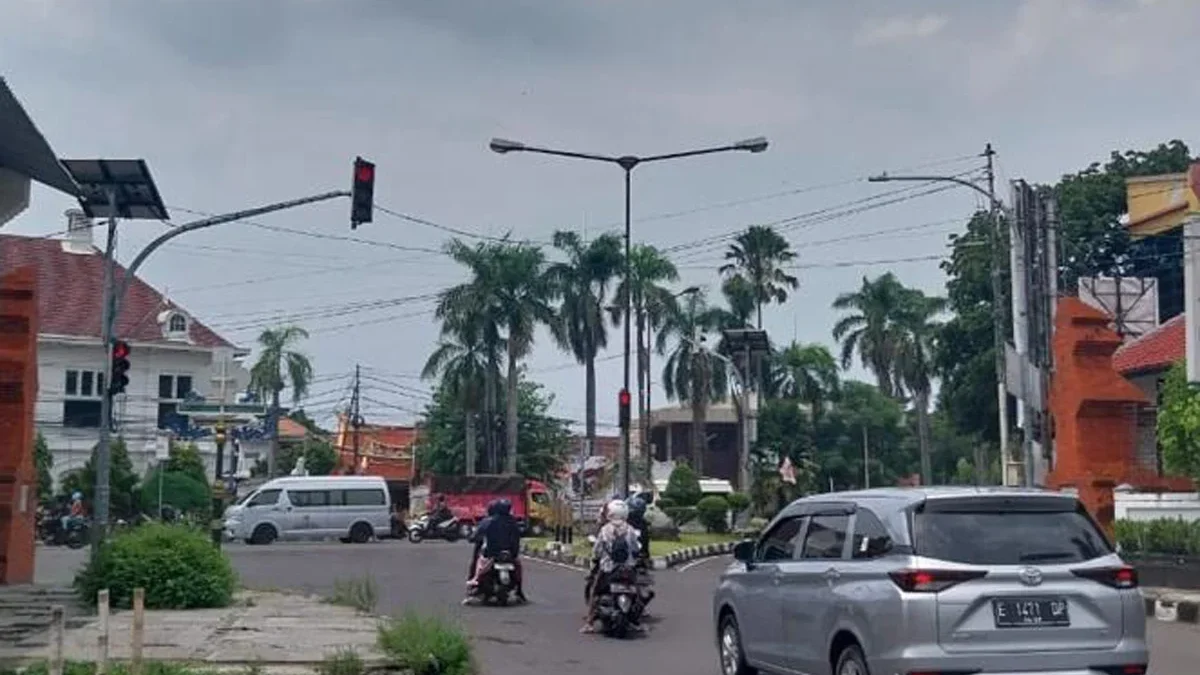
342	662
361	594
427	645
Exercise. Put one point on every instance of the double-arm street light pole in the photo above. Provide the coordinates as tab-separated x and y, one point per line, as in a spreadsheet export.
995	210
628	163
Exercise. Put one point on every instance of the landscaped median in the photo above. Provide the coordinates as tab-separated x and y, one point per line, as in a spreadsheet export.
1166	604
664	553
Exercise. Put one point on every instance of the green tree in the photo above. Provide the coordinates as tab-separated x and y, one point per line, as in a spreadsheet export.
916	333
838	441
759	257
278	367
1179	424
43	461
543	440
122	481
692	372
868	327
683	486
180	489
185	458
582	282
465	363
652	302
808	373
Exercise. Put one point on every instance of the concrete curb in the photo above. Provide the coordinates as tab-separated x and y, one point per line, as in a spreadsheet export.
1171	606
560	553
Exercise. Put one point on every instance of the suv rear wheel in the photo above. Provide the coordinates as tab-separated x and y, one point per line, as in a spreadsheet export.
733	659
851	662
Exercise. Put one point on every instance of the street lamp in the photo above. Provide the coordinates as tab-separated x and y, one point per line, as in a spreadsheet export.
998	328
628	163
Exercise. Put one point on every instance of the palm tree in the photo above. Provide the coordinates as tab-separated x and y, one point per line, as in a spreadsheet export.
693	372
523	295
652	303
582	282
472	308
807	372
869	327
758	256
916	331
278	367
465	363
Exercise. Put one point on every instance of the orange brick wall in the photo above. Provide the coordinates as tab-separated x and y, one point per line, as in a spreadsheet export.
18	393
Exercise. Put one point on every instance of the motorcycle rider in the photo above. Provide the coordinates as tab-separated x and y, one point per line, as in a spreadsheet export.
441	513
477	538
637	520
616	545
75	512
498	534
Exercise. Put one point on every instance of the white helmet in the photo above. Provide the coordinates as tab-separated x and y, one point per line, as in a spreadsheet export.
618	511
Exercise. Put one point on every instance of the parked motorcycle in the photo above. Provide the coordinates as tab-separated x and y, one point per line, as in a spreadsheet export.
421	528
499	582
52	533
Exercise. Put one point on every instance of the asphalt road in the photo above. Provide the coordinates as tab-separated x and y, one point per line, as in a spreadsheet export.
543	636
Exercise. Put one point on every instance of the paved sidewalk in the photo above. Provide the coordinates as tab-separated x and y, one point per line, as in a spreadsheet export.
281	633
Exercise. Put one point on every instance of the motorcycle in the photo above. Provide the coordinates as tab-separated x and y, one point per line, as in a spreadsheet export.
499	582
617	607
421	528
52	533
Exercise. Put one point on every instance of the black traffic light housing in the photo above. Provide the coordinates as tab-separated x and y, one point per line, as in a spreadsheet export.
623	405
120	367
362	193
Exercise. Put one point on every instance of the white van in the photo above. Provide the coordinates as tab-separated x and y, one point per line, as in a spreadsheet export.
352	508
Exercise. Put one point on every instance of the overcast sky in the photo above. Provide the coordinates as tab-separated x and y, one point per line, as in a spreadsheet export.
236	104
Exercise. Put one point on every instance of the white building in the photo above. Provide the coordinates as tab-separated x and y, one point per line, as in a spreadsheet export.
173	355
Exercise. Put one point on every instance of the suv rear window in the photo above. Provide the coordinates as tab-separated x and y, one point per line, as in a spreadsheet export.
1006	533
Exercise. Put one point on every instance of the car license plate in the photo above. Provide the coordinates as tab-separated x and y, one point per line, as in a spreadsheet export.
504	567
1030	612
621	588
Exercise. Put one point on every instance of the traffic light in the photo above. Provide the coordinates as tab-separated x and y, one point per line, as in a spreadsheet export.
120	367
362	195
623	404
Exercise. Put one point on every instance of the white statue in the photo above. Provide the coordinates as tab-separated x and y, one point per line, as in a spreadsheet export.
300	470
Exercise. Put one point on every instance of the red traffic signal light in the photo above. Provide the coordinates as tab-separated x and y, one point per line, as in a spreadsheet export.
120	368
362	193
623	404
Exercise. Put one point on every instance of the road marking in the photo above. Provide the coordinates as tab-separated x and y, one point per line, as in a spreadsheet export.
701	561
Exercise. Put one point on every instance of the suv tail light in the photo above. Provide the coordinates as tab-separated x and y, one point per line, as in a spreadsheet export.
932	581
1115	577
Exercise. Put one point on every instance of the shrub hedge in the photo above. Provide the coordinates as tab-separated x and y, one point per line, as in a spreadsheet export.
1166	536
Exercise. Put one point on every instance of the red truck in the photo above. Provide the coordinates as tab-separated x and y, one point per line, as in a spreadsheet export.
469	496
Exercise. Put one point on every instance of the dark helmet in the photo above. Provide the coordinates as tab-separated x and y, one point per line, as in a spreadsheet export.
493	507
504	507
637	507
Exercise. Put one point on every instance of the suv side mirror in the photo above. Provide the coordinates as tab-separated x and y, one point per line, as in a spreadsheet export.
743	551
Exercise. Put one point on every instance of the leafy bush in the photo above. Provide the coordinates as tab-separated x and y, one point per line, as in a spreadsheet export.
738	501
342	662
753	528
665	502
427	645
177	566
712	512
681	515
180	489
683	487
1164	536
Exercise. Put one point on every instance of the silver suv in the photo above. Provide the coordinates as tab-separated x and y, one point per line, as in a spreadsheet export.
931	581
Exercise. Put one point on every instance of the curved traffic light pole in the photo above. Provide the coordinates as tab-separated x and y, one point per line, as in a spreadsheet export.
114	293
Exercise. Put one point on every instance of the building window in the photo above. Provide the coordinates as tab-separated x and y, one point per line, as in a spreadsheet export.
172	389
81	399
177	324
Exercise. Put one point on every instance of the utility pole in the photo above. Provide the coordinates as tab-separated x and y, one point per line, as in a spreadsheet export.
999	331
218	501
355	418
866	460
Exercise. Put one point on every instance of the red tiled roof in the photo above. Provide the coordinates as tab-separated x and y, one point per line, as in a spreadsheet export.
290	429
1156	350
69	294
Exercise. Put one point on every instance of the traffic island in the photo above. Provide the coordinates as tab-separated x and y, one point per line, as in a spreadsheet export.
1166	604
563	554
